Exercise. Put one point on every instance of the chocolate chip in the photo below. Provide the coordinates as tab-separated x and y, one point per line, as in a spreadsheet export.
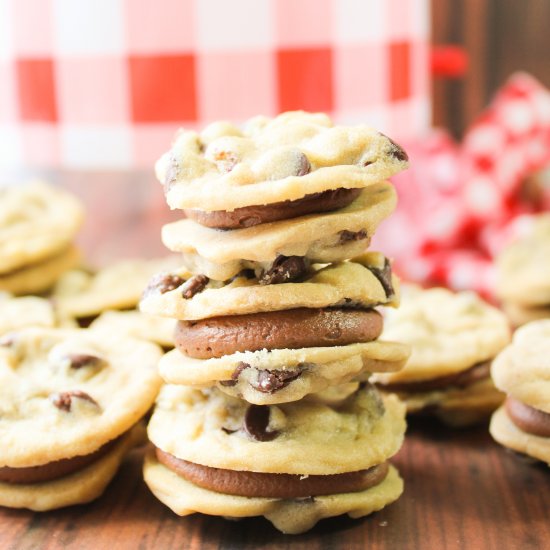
235	375
348	236
284	269
172	174
194	285
63	400
396	151
80	360
384	276
256	421
161	283
244	273
303	166
270	381
228	431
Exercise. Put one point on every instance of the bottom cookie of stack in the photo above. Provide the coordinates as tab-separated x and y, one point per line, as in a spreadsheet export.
294	463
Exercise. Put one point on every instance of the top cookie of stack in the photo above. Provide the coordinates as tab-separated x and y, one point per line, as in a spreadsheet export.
259	314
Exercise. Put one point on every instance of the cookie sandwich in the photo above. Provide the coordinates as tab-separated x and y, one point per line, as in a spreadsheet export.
293	463
71	407
522	371
523	285
38	223
454	337
277	328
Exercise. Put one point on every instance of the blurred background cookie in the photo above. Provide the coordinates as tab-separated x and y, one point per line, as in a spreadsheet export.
522	370
453	337
523	268
38	223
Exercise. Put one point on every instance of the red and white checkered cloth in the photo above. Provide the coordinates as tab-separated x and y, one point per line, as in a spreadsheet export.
105	83
460	204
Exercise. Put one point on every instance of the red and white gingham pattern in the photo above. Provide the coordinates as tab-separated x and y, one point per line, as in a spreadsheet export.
105	83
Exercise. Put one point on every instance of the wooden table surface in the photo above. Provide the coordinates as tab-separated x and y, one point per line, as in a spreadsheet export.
462	490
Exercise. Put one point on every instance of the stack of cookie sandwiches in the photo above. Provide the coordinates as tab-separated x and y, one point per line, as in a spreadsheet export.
267	408
522	370
523	284
454	338
38	223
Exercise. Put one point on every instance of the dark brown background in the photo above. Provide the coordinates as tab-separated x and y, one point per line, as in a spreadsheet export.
501	37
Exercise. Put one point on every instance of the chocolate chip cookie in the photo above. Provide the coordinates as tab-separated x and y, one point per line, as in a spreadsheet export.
70	402
272	161
85	294
37	222
219	455
364	282
326	237
454	337
522	370
522	274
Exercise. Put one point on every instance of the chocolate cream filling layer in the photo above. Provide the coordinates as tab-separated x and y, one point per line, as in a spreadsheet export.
53	470
480	371
249	216
528	419
263	485
290	329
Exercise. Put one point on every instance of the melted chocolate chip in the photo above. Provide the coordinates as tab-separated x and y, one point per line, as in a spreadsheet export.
284	269
245	273
396	151
80	360
162	283
194	285
63	400
172	174
347	236
256	421
270	381
384	276
303	166
235	375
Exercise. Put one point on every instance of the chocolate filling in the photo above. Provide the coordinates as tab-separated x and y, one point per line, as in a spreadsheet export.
291	329
478	372
263	485
248	216
528	419
55	469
